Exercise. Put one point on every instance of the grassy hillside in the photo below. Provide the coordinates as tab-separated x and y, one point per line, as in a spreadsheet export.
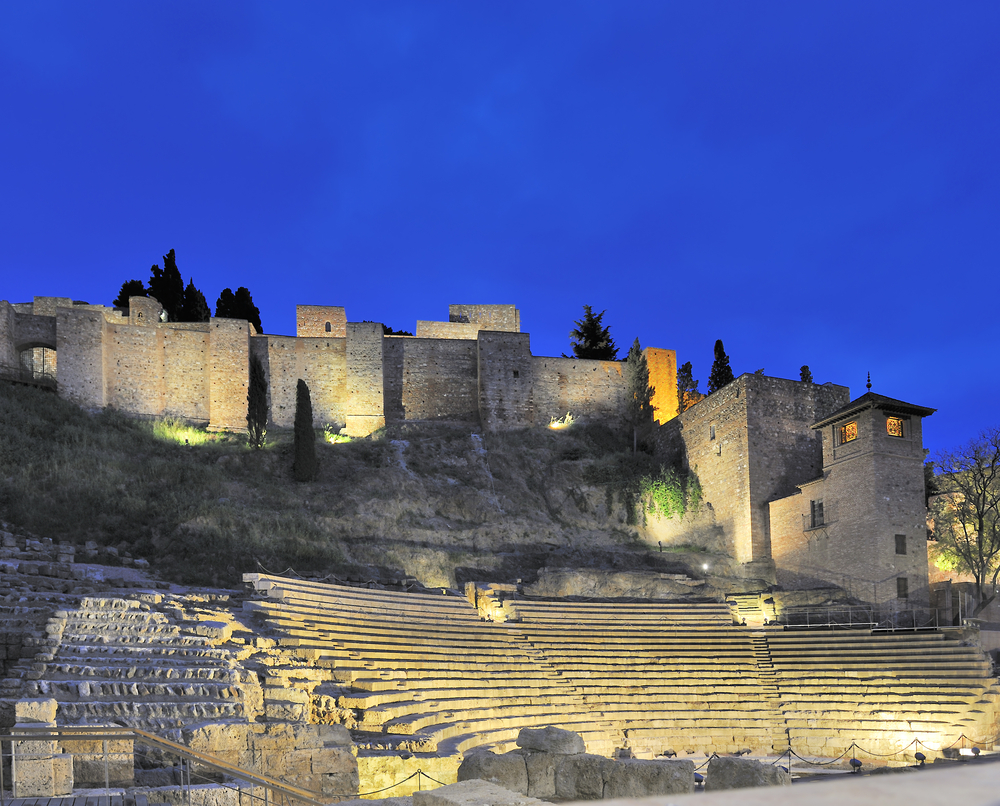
433	501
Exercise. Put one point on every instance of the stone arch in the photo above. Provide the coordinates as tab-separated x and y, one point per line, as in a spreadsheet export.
37	362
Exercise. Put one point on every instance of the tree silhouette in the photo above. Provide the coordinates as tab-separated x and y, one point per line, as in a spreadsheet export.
805	375
590	339
638	393
238	306
306	463
194	307
130	288
257	404
721	373
167	286
687	388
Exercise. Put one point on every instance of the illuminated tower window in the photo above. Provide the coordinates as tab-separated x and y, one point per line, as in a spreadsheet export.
848	432
894	427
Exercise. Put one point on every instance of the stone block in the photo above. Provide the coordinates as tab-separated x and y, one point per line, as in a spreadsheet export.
472	793
336	735
88	761
333	761
34	778
541	774
285	711
219	631
582	776
551	740
737	773
635	778
508	771
36	710
62	774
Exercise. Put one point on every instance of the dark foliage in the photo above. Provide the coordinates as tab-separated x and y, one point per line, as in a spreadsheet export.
256	404
590	339
167	286
721	372
638	393
805	374
238	306
130	288
687	388
306	464
194	307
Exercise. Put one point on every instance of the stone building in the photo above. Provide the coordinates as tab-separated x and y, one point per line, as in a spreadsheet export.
808	487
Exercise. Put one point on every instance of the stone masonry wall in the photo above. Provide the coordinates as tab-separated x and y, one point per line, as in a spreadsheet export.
30	330
430	379
80	346
320	362
581	387
185	355
134	368
228	368
448	330
8	328
663	378
365	401
312	321
505	380
491	317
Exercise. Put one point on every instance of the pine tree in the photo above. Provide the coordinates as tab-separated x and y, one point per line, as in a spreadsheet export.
590	339
167	286
805	375
130	288
238	306
194	308
257	404
306	463
638	393
721	372
687	388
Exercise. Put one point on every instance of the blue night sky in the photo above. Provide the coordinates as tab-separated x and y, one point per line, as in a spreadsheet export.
814	183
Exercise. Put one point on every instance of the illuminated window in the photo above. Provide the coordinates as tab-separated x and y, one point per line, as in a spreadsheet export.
902	588
894	427
848	432
900	544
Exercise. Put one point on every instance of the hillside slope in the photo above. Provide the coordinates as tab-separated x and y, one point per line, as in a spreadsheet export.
436	502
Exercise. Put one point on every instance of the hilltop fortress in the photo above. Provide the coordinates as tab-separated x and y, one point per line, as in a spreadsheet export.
800	483
475	367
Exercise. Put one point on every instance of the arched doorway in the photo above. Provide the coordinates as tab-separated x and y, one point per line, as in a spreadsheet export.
38	364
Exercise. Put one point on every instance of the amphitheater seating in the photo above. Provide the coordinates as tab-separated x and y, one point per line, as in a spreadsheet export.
118	661
653	677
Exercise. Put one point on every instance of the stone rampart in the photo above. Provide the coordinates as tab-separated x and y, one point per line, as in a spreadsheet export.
34	331
80	346
576	386
320	321
185	355
229	357
426	379
365	401
505	380
491	317
8	329
448	330
134	368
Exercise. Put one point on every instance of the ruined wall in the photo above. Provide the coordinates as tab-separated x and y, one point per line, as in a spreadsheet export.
429	379
491	317
505	380
581	387
365	400
321	321
663	378
228	373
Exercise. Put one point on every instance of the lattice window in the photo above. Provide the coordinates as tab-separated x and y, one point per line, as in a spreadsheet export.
848	432
894	427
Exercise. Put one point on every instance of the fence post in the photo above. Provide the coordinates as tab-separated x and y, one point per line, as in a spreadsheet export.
107	778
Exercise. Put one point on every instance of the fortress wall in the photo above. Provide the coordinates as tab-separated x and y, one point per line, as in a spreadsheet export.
448	330
134	363
663	378
505	380
322	364
80	347
228	371
437	379
8	331
365	399
48	306
311	321
185	372
31	331
582	387
784	449
282	371
392	376
492	317
144	311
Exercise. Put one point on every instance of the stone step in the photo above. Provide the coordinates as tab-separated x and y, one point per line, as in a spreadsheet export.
94	691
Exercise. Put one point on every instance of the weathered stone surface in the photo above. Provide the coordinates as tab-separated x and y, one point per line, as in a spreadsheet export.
635	778
508	770
736	773
62	774
34	778
474	792
541	774
551	740
582	777
36	710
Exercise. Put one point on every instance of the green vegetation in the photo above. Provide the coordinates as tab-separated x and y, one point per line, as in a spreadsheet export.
306	464
638	393
590	339
645	487
256	404
438	501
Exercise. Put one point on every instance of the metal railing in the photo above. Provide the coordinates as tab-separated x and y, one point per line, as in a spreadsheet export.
193	764
872	617
23	374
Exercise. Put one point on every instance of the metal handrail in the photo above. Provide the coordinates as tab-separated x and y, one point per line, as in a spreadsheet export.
82	733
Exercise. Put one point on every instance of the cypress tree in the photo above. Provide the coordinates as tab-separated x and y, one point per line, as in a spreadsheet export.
194	307
638	393
306	464
687	388
130	288
167	286
257	404
805	374
721	372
